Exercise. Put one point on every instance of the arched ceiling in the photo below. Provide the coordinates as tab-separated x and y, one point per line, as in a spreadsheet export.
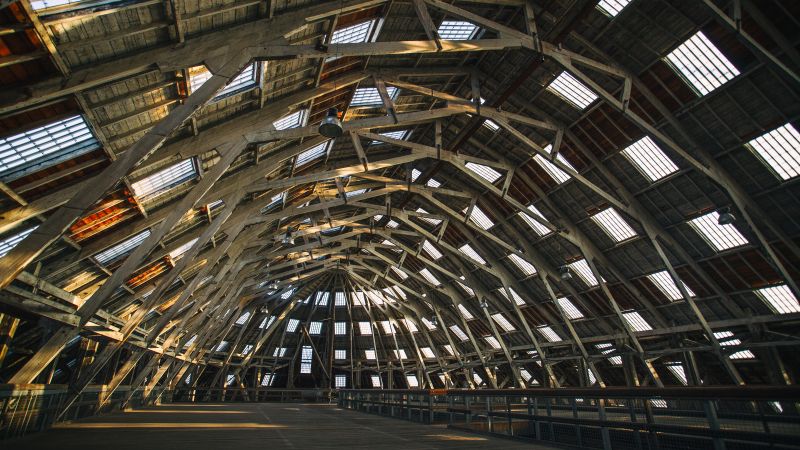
537	179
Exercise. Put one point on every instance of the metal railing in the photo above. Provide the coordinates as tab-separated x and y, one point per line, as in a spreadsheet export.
31	408
236	394
714	418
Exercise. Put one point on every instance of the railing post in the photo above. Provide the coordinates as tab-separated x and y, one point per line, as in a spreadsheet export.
601	410
713	424
449	410
430	408
489	418
508	416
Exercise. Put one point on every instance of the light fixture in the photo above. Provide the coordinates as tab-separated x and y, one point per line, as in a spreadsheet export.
331	126
565	274
484	304
434	321
725	216
288	239
272	285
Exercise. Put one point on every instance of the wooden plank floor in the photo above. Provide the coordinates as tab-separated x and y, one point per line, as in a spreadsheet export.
254	426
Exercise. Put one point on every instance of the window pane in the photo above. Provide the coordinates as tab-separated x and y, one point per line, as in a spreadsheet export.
701	64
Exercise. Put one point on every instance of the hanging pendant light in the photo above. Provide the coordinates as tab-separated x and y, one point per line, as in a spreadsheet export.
331	126
565	274
725	217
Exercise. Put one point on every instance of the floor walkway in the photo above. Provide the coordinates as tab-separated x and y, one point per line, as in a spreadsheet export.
254	426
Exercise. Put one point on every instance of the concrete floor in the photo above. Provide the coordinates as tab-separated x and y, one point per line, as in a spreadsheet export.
254	426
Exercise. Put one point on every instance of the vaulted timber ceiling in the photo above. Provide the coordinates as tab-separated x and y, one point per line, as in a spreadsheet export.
525	192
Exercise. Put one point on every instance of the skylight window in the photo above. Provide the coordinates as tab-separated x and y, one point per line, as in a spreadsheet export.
780	298
472	254
267	380
163	180
376	381
428	324
221	346
427	352
340	299
288	294
294	120
315	328
485	172
358	298
430	220
524	266
178	252
431	250
410	325
44	4
558	175
311	154
540	229
322	298
701	64
247	349
340	354
371	96
431	182
581	267
430	277
412	381
340	381
479	218
636	321
528	377
492	341
651	161
613	224
466	288
607	349
465	312
549	333
449	349
679	372
780	150
726	339
612	7
355	193
720	237
503	322
456	30
459	332
517	299
370	354
570	309
276	200
399	272
291	327
742	354
306	355
353	34
400	135
365	328
279	352
44	146
573	91
243	318
123	248
198	75
388	327
400	354
665	284
267	321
